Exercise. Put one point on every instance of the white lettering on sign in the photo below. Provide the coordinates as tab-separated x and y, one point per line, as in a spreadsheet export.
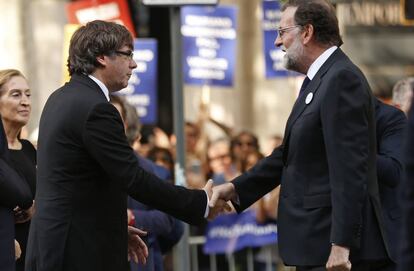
141	67
139	99
277	56
179	2
142	111
207	74
198	31
239	230
143	55
369	13
208	21
199	62
208	43
128	90
134	79
271	19
103	12
207	53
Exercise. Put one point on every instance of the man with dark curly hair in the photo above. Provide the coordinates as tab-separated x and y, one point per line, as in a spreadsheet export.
86	168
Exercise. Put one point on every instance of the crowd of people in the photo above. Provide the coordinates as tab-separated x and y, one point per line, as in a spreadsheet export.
99	189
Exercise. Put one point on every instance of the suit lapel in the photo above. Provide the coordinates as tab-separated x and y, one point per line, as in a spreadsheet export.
300	104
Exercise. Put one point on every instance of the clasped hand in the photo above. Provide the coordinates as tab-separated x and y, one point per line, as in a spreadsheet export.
218	197
137	249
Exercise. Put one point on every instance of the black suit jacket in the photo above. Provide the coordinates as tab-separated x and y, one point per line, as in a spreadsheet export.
326	168
14	191
406	261
390	125
85	172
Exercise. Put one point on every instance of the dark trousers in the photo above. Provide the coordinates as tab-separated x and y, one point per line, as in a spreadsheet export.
363	266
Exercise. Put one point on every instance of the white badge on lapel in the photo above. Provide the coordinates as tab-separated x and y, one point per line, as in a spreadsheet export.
309	98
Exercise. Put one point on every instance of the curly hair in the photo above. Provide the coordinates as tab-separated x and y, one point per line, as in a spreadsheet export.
321	15
95	39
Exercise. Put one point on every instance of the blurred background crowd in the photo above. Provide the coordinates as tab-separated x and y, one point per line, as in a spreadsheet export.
227	129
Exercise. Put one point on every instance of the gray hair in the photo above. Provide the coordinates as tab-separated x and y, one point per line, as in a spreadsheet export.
402	93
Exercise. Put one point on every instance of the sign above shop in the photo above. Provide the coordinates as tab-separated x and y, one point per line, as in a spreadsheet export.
369	13
179	2
407	14
375	12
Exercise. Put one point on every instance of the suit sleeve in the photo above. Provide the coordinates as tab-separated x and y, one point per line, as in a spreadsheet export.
105	140
154	221
258	181
389	157
407	237
346	115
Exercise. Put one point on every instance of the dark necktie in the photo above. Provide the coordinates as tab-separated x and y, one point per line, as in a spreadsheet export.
304	85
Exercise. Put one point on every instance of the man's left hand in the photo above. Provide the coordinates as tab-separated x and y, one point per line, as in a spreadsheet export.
22	216
137	249
338	259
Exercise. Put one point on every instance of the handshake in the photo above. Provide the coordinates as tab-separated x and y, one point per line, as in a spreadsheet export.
218	198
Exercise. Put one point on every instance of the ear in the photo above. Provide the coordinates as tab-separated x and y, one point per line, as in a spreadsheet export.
308	33
101	60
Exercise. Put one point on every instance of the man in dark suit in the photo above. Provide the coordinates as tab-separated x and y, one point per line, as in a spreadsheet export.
329	215
390	128
86	168
406	260
14	191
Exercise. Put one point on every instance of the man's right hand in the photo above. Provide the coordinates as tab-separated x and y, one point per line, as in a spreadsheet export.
218	200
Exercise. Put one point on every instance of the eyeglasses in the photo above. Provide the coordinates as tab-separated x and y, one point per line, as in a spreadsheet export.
129	54
283	30
219	157
247	143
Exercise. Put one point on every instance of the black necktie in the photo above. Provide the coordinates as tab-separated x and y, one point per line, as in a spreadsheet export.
304	85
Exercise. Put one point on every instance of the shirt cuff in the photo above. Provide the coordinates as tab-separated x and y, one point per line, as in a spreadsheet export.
207	208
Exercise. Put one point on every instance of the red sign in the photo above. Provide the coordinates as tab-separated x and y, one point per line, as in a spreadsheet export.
81	12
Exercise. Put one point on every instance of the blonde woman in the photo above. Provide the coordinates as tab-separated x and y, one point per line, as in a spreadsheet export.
15	108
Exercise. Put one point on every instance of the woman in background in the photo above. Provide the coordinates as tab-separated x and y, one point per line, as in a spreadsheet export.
15	108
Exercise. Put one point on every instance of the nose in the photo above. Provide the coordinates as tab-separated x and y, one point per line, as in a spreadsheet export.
133	64
278	41
25	100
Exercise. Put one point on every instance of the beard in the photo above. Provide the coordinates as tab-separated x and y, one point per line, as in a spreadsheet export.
292	58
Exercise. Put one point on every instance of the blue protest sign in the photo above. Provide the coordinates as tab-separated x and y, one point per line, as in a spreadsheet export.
142	86
229	233
209	45
273	55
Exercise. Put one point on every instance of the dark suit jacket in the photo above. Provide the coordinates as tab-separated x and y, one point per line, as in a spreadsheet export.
406	261
86	169
326	167
390	125
14	191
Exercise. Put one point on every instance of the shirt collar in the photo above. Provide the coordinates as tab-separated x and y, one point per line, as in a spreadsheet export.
101	85
317	64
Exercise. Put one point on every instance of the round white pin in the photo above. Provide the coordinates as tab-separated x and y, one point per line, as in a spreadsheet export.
309	98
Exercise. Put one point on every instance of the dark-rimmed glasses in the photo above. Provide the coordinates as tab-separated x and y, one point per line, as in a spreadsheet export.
129	54
283	30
